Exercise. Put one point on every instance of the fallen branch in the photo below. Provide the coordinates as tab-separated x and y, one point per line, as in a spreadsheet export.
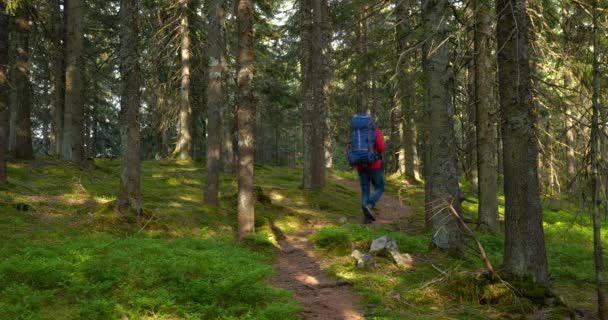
445	273
484	256
333	284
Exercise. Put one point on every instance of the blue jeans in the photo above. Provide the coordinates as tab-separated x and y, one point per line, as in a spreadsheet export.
376	178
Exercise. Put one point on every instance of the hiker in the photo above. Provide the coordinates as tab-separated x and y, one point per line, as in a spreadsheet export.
365	152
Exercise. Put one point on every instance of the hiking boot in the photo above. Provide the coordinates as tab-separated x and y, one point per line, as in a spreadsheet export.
367	210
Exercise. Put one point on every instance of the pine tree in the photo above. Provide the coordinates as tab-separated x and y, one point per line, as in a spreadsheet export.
129	193
245	117
525	253
72	147
215	99
4	97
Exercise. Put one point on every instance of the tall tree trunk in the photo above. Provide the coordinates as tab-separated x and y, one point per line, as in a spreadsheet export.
245	117
327	74
313	94
72	148
569	127
602	304
215	100
129	192
183	148
57	77
552	182
158	96
442	179
363	89
228	154
525	253
318	60
409	152
329	144
4	97
486	108
23	102
391	161
470	132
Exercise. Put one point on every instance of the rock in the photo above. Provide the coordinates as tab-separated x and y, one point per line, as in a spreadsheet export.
364	260
387	247
382	245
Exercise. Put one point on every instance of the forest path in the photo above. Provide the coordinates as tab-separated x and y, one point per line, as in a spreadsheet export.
390	211
300	270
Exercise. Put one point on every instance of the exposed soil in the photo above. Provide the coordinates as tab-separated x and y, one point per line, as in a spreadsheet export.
301	271
390	211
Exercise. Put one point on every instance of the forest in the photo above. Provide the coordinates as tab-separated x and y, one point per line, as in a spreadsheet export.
189	159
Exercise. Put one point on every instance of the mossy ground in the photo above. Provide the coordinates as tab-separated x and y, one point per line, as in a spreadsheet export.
65	254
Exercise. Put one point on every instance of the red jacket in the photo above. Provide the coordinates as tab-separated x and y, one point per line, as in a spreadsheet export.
378	147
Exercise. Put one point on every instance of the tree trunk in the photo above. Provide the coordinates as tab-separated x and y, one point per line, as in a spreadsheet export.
228	154
4	97
525	253
470	132
363	89
442	179
409	153
72	148
57	77
486	111
570	147
129	192
184	149
23	91
329	145
602	304
215	100
313	113
327	74
245	117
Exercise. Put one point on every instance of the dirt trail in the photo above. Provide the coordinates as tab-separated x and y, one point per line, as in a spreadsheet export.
390	212
301	271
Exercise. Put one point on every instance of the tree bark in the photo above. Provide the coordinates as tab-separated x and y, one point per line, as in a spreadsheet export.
72	148
23	103
409	152
602	304
486	111
327	74
228	128
4	96
363	89
245	117
215	100
442	179
313	113
470	119
183	148
129	193
570	146
525	253
57	77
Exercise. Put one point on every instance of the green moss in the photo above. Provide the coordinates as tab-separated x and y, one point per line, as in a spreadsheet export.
69	255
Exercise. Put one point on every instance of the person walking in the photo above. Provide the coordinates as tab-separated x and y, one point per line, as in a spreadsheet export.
365	153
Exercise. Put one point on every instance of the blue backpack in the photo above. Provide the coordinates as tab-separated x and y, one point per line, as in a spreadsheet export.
362	140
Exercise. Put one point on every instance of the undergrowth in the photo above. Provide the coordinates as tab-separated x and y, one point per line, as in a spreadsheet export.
66	254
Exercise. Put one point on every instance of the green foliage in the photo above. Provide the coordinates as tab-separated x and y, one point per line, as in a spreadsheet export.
335	237
71	257
102	277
